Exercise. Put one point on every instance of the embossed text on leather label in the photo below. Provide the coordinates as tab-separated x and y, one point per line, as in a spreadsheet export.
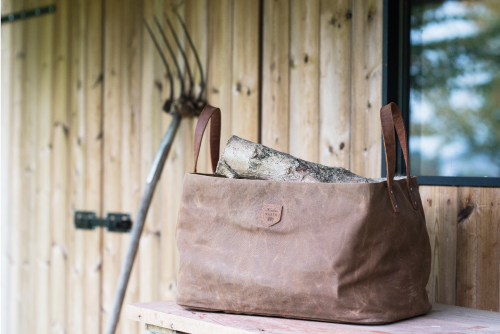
271	214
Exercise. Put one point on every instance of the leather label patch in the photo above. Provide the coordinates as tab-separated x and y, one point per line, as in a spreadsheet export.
271	214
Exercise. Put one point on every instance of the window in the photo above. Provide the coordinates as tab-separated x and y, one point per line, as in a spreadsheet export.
442	67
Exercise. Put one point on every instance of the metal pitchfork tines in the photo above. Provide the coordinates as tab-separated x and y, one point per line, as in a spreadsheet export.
185	105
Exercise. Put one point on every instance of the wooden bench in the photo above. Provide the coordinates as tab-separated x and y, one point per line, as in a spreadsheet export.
167	317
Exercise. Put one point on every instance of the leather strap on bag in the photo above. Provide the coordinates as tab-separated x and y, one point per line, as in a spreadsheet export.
208	113
390	117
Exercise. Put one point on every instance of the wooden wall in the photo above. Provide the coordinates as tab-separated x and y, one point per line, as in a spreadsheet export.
464	228
81	122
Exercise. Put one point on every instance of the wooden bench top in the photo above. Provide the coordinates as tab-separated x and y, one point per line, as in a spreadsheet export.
442	319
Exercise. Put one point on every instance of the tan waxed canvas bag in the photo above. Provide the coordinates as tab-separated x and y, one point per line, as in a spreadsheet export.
341	252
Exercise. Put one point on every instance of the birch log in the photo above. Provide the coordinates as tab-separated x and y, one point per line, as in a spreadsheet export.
247	160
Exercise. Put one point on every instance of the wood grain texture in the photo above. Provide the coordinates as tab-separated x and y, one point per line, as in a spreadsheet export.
335	82
76	251
32	98
7	59
477	248
275	74
442	319
366	77
122	179
84	255
42	235
149	116
93	162
304	79
112	136
18	68
245	73
440	207
25	130
220	62
60	162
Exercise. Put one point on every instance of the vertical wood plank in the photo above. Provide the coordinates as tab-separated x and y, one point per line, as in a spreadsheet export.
42	212
489	249
93	162
6	161
151	113
275	74
440	207
478	255
32	117
304	80
76	184
448	245
122	141
431	207
466	250
335	82
60	211
220	59
19	177
84	255
245	82
132	180
112	135
366	99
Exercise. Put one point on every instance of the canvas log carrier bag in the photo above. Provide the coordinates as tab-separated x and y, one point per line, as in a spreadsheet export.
341	252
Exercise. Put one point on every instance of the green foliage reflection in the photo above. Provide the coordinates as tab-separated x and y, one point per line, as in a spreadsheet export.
455	88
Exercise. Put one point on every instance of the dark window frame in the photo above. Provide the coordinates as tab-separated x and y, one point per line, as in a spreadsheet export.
395	88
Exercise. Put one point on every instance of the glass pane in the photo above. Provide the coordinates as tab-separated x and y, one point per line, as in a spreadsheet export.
455	88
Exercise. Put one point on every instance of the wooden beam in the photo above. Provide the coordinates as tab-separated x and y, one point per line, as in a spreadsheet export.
85	258
478	254
93	114
443	319
60	158
42	213
220	62
366	98
440	207
8	60
304	79
112	136
275	72
22	177
335	82
245	73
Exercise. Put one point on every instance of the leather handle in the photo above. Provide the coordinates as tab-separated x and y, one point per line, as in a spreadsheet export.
208	113
390	117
